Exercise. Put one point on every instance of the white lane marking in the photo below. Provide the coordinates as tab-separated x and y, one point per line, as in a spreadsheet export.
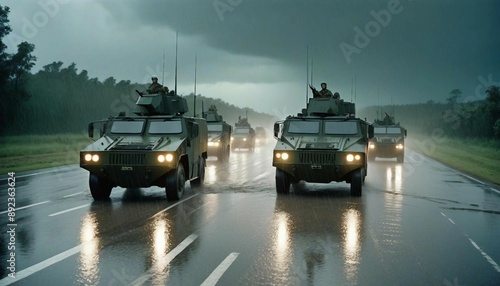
69	210
488	258
495	190
39	173
72	195
473	179
166	209
166	259
28	206
40	266
219	271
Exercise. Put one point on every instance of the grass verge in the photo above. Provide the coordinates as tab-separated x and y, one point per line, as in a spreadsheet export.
31	152
479	158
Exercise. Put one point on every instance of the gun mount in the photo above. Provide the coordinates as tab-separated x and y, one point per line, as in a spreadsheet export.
320	106
160	104
211	115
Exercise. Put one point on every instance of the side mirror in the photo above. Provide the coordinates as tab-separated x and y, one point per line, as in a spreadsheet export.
371	131
406	133
278	126
195	130
90	130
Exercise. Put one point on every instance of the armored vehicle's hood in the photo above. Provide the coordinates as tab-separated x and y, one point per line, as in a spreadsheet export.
387	138
139	143
322	143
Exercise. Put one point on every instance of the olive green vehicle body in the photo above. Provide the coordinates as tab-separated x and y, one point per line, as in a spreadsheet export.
317	144
243	136
219	135
132	150
388	140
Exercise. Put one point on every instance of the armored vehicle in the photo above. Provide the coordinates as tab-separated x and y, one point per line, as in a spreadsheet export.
243	135
388	141
324	143
260	135
219	134
157	146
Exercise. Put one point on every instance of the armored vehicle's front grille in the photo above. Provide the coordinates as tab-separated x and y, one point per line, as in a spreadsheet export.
126	159
316	158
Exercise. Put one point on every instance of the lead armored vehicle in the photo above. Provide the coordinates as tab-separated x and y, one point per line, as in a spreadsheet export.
219	134
243	135
388	141
158	146
325	143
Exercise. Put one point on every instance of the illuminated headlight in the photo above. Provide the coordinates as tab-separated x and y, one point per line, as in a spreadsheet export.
244	139
163	158
88	157
283	156
95	158
372	146
351	157
399	146
232	138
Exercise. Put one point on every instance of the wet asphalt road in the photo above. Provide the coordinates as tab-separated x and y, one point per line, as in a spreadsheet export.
417	223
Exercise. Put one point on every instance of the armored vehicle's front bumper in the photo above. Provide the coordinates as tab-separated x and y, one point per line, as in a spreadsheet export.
242	143
214	148
130	169
319	166
385	150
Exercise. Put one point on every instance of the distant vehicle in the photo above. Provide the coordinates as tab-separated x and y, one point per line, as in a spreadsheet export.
156	147
324	143
260	135
243	135
219	134
388	140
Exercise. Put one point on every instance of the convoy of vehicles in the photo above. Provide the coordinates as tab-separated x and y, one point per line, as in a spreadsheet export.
219	134
324	143
158	146
388	140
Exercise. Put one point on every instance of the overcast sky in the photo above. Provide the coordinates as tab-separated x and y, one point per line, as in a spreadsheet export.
254	52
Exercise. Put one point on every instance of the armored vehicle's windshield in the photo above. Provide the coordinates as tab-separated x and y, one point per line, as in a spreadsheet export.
242	131
341	128
388	130
127	127
165	127
303	127
214	127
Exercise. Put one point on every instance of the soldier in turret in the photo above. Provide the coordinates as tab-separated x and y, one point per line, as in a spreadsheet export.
324	92
154	87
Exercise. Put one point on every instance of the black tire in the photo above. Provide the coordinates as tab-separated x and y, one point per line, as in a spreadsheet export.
100	188
201	174
357	183
282	182
174	184
401	158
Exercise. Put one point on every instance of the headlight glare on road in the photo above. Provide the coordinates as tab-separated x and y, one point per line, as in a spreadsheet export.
95	158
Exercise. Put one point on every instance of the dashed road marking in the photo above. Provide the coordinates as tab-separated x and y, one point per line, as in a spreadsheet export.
219	271
28	206
69	210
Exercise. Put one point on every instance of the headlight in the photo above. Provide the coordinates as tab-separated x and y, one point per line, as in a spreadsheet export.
351	157
162	158
283	156
372	146
244	139
399	146
95	158
232	138
88	157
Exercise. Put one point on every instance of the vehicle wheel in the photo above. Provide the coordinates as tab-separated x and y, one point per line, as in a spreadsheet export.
356	183
174	183
100	188
201	174
282	182
401	158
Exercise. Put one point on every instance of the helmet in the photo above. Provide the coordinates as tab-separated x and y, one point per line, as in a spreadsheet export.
154	77
323	83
